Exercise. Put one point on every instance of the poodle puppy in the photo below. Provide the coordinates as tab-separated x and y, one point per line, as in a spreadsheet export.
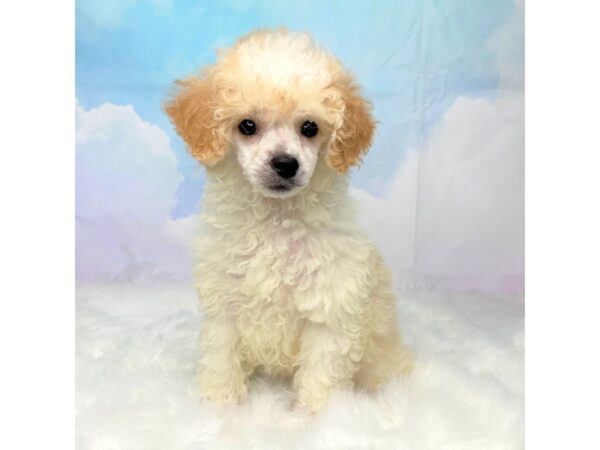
288	284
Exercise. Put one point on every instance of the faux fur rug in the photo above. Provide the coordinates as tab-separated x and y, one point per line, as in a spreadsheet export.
136	357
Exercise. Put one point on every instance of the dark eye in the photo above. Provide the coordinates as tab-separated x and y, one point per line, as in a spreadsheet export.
309	129
247	127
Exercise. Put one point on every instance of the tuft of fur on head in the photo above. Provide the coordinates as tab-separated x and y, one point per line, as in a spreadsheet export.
279	78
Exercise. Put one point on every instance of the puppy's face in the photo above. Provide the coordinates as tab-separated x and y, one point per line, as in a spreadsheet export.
278	155
281	104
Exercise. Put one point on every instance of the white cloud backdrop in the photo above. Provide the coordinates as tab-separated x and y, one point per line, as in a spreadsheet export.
454	213
126	176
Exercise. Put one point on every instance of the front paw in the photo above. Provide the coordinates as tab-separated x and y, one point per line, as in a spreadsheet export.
223	390
302	410
310	400
226	395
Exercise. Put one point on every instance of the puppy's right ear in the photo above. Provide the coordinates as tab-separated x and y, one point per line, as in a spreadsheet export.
192	111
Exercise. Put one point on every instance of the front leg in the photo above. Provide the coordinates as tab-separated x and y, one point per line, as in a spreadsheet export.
329	357
337	310
220	372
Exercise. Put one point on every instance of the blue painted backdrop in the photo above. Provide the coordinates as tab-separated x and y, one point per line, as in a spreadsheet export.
136	185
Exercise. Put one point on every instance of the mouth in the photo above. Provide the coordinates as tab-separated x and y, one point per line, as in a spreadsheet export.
281	187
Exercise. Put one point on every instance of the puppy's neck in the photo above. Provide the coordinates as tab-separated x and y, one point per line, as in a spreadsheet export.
323	202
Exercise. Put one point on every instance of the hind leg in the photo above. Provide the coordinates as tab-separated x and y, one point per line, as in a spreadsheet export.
385	358
385	355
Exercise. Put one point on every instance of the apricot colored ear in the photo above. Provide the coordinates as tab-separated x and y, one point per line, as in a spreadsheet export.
192	112
354	136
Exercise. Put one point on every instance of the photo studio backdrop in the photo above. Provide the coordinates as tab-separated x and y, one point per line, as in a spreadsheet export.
441	191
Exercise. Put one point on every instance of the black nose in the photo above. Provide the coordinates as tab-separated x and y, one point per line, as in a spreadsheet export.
285	166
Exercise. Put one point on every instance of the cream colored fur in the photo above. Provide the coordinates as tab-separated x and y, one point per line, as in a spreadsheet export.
288	284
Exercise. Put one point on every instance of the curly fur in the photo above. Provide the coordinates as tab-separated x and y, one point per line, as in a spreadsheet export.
289	286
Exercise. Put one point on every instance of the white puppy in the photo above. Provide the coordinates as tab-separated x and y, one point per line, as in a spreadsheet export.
288	284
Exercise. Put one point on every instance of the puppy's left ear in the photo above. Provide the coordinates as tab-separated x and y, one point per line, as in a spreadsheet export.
354	136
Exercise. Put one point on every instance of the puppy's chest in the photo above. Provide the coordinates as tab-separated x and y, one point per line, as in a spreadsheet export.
274	260
275	266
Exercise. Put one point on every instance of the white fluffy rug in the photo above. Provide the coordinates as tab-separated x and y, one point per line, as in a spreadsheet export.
136	356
